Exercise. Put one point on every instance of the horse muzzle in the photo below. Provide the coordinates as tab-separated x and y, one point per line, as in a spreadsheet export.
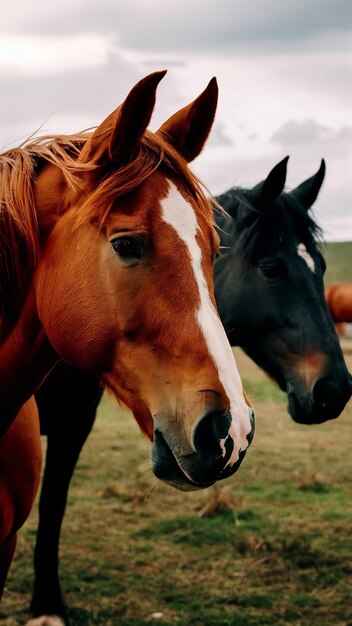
210	459
325	401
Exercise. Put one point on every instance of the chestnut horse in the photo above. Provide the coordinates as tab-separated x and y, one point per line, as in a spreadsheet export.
106	261
339	299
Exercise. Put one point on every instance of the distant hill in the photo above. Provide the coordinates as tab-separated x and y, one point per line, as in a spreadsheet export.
338	256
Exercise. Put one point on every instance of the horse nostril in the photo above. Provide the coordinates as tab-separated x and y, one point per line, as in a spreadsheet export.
209	432
324	392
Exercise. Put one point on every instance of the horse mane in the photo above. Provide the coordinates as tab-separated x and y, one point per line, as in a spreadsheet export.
19	231
286	222
153	152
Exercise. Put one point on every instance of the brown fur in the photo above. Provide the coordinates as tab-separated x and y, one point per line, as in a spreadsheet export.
19	233
66	293
20	204
339	299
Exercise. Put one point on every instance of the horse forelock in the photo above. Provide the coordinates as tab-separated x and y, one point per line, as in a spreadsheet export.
154	153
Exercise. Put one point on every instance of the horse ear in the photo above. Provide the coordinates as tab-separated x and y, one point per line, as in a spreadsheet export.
307	192
188	129
266	192
117	137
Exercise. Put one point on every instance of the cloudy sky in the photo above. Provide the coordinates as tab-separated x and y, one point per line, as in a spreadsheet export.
284	70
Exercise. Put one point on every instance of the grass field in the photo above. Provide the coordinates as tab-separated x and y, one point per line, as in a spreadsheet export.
339	262
270	546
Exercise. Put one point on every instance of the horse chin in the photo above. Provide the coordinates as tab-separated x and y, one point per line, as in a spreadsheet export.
167	469
181	484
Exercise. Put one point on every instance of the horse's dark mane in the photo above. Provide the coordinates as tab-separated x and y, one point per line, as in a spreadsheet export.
261	233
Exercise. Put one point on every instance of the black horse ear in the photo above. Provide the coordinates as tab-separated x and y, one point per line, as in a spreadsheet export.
266	192
307	192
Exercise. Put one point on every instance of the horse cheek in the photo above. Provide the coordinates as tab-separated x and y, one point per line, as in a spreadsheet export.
73	306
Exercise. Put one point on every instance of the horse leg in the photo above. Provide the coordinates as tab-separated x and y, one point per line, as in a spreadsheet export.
20	468
61	459
67	407
6	555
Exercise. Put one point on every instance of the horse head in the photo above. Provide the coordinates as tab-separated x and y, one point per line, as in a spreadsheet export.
270	293
124	285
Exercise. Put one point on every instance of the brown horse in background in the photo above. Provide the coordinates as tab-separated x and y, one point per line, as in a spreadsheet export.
339	299
107	246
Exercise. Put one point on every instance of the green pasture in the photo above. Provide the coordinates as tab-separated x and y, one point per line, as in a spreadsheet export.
270	546
338	257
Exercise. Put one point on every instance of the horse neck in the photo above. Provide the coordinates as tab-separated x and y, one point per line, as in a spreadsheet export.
26	357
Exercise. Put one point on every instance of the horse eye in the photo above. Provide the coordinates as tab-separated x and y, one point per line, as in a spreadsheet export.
128	247
271	271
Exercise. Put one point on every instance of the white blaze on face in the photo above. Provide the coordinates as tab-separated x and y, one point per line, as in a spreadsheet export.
179	214
302	252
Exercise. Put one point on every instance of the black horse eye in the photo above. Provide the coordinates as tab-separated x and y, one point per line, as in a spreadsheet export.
272	271
129	246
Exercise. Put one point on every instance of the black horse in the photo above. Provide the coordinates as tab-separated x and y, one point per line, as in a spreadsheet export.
269	291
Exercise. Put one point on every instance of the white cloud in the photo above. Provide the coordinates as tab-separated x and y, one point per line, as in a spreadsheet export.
184	25
284	72
30	55
297	132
